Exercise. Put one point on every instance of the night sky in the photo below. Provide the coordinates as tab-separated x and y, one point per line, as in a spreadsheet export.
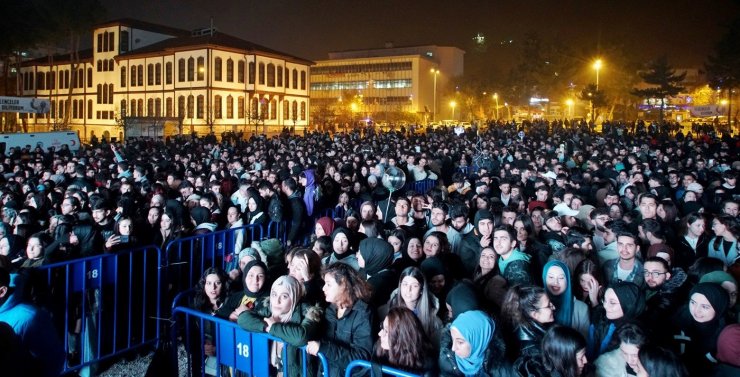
683	30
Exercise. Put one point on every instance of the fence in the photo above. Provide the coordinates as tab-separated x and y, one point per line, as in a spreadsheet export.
235	348
384	369
422	186
106	304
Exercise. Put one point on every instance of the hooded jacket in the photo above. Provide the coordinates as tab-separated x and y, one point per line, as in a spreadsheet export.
663	302
347	338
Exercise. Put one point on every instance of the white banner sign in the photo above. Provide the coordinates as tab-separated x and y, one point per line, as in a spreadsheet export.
708	111
24	105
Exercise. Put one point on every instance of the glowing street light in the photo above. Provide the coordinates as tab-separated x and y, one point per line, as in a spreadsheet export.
452	105
435	72
508	110
597	66
495	97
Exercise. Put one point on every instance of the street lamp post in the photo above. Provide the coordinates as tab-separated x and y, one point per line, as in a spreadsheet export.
495	97
435	72
569	102
597	67
508	110
591	98
452	105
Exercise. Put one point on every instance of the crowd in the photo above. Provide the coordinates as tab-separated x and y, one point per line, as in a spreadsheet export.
542	249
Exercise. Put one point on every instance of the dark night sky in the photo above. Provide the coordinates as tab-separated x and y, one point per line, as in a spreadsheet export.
684	30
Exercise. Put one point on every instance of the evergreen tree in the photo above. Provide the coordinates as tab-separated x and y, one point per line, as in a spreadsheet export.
723	65
664	82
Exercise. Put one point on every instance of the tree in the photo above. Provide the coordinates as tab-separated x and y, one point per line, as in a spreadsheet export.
723	65
594	96
663	80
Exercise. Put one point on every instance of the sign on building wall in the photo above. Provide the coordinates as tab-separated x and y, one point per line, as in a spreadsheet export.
708	111
24	105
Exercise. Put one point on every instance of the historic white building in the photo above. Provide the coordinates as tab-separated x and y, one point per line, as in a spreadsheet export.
393	83
159	80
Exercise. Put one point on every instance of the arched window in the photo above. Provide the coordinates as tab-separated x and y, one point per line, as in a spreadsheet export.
168	104
303	110
150	107
240	108
181	70
40	81
286	110
150	74
200	106
133	108
81	78
229	70
191	69
217	107
158	74
123	43
123	77
295	78
89	109
287	78
262	74
181	106
168	73
252	73
99	65
279	76
133	75
140	107
273	109
240	71
123	108
303	80
294	111
271	75
50	81
201	68
190	106
140	79
89	78
254	108
158	107
110	94
100	94
263	109
229	107
111	65
217	69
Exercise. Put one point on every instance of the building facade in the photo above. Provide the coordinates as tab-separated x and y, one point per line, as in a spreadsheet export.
154	80
393	84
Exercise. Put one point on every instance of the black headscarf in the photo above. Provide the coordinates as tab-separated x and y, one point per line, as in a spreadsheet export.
463	297
630	298
377	253
246	269
350	240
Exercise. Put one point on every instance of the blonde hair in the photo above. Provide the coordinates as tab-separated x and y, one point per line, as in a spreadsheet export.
295	291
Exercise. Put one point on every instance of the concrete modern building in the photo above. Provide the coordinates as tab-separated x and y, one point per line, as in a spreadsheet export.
392	84
155	80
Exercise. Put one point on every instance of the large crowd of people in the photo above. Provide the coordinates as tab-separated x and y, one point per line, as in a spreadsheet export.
541	249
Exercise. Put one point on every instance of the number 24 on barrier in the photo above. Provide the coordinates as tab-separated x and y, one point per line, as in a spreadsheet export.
242	349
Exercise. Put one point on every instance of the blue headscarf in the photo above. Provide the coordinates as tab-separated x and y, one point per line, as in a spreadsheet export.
564	301
476	327
310	192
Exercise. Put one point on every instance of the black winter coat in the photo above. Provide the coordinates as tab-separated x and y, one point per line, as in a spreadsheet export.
347	338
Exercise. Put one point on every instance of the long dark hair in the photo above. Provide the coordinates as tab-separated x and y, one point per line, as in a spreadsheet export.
201	302
408	343
518	303
559	348
353	286
659	361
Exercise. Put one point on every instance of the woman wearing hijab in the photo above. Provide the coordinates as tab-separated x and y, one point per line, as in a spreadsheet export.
307	180
623	302
284	315
255	288
255	214
568	311
375	259
324	226
729	283
697	326
342	249
474	350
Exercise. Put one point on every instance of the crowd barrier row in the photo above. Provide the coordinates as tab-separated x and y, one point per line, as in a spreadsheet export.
109	304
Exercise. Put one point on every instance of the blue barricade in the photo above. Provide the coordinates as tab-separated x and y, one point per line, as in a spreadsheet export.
386	370
103	305
236	349
425	185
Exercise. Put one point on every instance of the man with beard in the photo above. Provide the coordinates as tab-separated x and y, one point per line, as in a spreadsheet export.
666	291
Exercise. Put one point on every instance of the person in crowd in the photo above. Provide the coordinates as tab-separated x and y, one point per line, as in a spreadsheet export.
728	352
234	221
528	312
34	252
343	250
414	294
724	245
590	283
474	349
123	237
623	302
691	243
255	289
627	267
437	245
412	254
374	259
623	361
255	214
305	266
697	325
286	316
657	361
563	354
489	281
210	294
402	343
322	246
348	319
729	284
569	311
512	263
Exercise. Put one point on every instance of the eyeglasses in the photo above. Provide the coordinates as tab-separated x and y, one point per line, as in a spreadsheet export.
549	306
653	274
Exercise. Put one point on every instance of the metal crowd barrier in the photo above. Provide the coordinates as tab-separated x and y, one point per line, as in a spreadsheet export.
105	305
236	349
186	258
367	365
425	185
